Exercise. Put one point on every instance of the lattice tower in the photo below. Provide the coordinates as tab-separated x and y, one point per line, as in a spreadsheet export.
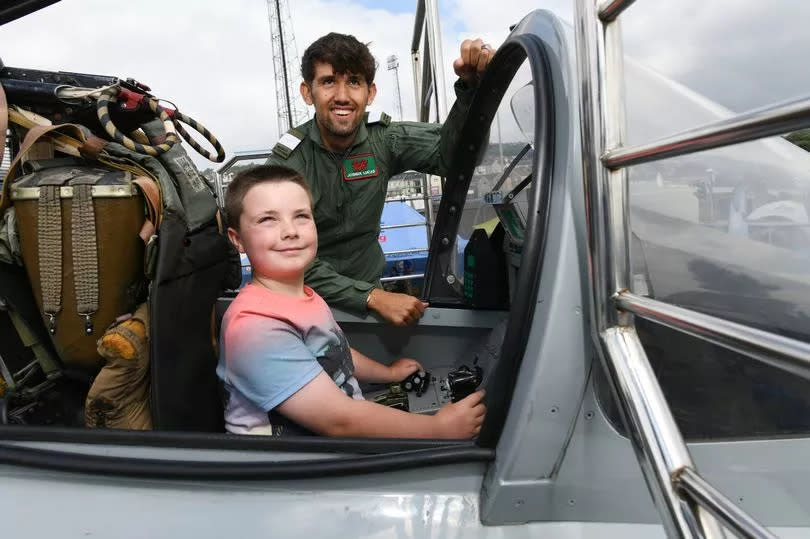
291	109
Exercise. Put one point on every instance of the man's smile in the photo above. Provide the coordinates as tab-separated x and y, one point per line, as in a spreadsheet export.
342	111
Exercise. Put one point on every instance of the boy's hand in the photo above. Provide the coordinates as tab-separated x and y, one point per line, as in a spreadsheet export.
463	419
399	309
402	368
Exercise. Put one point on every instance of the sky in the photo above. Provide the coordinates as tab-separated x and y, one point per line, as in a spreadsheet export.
214	59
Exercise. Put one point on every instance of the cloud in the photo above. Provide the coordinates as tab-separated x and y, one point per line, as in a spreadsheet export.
216	66
742	54
215	63
214	59
386	32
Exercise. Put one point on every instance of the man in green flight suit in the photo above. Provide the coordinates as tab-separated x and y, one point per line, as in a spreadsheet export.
348	156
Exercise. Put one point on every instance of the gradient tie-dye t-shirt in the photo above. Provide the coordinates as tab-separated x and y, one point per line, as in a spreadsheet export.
272	345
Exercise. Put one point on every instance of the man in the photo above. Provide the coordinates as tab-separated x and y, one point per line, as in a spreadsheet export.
348	157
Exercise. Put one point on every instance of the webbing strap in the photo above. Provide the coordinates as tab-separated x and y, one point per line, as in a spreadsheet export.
85	254
154	209
151	194
49	224
33	135
3	121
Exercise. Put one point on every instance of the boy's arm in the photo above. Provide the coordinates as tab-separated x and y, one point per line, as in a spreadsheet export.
368	370
323	408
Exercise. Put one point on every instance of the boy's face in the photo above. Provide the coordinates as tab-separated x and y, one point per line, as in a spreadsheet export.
277	230
340	100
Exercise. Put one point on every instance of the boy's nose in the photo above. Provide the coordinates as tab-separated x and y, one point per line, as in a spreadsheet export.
289	230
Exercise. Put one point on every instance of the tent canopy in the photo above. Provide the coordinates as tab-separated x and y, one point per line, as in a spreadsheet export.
402	239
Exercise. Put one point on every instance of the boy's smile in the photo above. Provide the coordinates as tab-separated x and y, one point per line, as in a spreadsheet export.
277	231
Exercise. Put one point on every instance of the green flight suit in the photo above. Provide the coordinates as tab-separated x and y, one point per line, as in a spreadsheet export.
349	194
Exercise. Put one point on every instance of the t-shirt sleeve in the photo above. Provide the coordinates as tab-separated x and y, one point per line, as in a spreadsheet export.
266	360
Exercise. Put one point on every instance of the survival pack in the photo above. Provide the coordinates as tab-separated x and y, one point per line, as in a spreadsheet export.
111	258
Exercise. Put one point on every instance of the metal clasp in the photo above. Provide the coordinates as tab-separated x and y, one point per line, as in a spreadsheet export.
51	323
88	323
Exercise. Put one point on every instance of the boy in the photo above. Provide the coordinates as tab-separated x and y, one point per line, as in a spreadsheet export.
285	364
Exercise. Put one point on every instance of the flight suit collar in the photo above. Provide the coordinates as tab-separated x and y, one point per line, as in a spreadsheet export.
360	137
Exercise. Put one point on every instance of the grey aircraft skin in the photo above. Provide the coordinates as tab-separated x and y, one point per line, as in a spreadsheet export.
722	232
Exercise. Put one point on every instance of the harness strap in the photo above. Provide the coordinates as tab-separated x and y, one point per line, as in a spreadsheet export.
151	193
85	253
49	224
91	148
3	121
33	135
220	224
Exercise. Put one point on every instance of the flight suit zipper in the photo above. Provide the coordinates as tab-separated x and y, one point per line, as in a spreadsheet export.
342	192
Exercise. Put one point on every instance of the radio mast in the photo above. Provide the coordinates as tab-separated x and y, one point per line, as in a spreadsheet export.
291	111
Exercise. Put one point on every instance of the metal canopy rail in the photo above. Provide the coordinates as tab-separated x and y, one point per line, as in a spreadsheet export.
719	506
781	352
756	124
688	505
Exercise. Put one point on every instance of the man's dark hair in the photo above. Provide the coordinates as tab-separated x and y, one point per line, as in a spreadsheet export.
241	184
343	52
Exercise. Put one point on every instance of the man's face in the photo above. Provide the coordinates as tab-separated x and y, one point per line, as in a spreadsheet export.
340	101
277	231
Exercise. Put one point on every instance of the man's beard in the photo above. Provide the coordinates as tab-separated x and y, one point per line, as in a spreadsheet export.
339	131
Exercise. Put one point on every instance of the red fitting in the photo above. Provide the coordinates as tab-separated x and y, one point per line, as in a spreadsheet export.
129	100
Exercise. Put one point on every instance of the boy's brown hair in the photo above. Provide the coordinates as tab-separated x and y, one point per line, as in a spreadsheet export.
241	184
343	52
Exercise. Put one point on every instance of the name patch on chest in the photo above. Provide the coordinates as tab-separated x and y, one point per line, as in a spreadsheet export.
359	167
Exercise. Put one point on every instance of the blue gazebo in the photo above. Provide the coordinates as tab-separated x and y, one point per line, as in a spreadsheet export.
406	248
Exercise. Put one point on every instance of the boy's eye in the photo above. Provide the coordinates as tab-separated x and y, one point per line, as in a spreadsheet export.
267	218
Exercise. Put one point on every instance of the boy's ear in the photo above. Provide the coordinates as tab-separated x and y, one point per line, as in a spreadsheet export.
233	235
306	93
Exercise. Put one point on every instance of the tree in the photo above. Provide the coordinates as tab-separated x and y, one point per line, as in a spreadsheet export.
800	138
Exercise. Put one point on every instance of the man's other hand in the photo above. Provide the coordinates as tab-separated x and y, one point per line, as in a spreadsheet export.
473	60
399	309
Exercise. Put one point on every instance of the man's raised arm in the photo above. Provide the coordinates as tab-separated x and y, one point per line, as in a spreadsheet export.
428	147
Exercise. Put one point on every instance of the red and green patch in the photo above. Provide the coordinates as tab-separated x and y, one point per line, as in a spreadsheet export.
359	167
